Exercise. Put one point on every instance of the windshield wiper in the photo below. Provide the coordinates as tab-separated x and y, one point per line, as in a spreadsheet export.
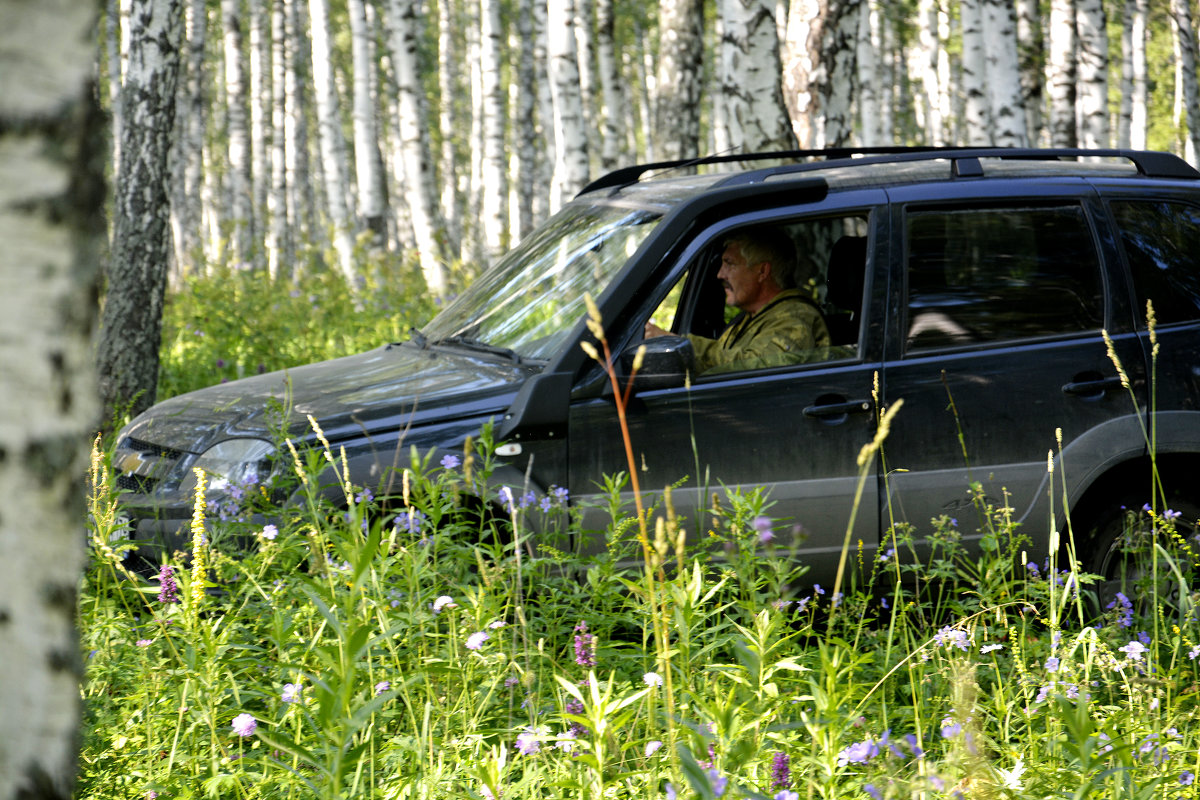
467	343
416	337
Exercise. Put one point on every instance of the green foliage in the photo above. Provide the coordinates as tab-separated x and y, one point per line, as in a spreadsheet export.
230	323
405	647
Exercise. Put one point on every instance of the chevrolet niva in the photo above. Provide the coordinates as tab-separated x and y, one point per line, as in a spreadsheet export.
1001	294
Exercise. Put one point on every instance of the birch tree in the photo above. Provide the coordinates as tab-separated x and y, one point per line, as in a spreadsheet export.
448	91
239	179
415	148
1185	37
571	151
367	162
870	87
127	355
1091	28
613	113
839	85
192	115
1060	73
930	50
260	104
974	74
751	88
525	130
332	143
679	79
494	184
1029	59
801	61
1134	95
1006	106
279	242
51	223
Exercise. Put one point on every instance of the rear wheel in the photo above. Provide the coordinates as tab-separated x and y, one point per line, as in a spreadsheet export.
1120	551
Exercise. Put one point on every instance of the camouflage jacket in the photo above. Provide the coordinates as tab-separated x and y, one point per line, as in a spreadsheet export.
787	330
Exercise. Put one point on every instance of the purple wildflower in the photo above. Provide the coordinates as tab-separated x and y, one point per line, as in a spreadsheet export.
870	789
168	589
1133	651
575	707
1125	615
144	642
781	772
244	725
269	532
382	686
1187	778
476	640
450	461
762	525
858	753
585	646
652	747
717	781
527	742
291	693
1052	664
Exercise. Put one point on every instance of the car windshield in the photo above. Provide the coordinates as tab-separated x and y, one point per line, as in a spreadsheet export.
531	299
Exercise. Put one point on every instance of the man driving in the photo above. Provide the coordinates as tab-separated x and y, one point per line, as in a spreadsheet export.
779	323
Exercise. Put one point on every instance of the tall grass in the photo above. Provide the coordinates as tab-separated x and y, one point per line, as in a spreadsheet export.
401	647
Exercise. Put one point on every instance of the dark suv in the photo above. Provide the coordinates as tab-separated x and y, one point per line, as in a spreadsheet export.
978	285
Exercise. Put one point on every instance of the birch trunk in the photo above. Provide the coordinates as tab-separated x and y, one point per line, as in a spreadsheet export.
367	161
1139	91
448	92
279	242
239	179
127	355
1006	102
51	223
415	148
571	153
931	49
329	132
260	104
1060	73
838	58
191	105
613	113
802	70
870	102
751	79
974	79
494	184
1185	33
1029	58
679	81
526	131
543	200
1092	84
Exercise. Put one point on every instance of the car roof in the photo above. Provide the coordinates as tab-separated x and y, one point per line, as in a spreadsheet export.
662	183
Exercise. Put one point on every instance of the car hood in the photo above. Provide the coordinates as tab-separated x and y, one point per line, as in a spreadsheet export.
381	389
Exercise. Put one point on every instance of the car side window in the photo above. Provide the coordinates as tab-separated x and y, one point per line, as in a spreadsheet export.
1162	243
984	275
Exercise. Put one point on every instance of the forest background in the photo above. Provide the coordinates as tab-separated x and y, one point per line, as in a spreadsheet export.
294	137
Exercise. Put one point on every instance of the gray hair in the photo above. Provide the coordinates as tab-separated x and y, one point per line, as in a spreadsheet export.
770	245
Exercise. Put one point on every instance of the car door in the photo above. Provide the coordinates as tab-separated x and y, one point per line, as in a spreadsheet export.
795	430
998	345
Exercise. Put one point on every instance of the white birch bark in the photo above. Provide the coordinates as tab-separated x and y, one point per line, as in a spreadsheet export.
614	114
542	201
870	88
802	69
329	132
280	221
239	180
260	105
1006	102
116	26
127	356
51	224
571	156
1060	73
191	110
416	152
302	202
369	178
526	131
1092	79
585	13
751	78
1185	34
1139	91
931	50
472	252
974	75
838	57
448	90
678	84
494	184
1029	58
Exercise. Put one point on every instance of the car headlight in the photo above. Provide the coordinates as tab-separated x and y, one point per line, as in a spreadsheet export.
233	462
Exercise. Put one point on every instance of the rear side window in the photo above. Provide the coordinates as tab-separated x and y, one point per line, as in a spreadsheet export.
1162	244
997	274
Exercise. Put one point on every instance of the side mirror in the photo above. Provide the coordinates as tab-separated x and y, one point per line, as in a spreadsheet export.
667	362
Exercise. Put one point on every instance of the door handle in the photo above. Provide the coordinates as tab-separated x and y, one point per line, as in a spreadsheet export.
822	410
1094	388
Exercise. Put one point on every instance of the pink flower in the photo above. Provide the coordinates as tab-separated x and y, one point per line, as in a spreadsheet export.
244	725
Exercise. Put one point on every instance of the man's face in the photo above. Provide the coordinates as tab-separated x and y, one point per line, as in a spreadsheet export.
743	282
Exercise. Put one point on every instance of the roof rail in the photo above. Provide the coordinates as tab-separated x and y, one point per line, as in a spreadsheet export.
1150	163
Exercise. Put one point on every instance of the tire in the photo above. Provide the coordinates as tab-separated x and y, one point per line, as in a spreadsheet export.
1118	550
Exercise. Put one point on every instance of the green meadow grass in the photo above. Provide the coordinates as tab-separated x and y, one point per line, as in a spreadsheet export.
404	648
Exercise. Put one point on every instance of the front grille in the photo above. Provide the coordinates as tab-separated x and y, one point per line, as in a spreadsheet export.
140	466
